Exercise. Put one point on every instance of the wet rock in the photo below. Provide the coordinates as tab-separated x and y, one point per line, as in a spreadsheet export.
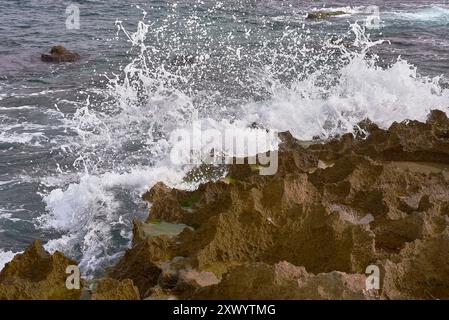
60	54
36	274
111	289
318	15
138	264
333	208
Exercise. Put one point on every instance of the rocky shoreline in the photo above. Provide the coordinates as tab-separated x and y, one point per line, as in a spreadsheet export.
373	198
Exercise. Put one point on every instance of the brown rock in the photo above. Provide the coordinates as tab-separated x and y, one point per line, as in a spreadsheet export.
35	274
191	281
284	281
60	54
138	264
419	271
111	289
333	208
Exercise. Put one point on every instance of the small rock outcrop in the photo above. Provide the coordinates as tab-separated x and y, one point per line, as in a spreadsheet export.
60	54
318	15
37	275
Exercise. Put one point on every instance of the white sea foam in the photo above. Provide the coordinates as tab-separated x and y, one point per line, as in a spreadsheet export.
362	90
33	138
2	183
5	257
431	13
17	108
88	211
123	148
348	10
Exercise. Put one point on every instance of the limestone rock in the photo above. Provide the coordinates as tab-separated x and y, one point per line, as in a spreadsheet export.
333	208
419	271
138	264
36	274
284	281
111	289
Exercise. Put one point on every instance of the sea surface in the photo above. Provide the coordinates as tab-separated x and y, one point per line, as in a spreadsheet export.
80	142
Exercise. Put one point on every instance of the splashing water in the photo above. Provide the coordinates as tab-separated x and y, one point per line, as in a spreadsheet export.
184	68
361	90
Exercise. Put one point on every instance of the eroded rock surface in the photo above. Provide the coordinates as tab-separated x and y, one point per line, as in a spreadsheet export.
36	274
111	289
378	197
285	281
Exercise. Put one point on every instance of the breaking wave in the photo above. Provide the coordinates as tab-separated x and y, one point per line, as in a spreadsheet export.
239	79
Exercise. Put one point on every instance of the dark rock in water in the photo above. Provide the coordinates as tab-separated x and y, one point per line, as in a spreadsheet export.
317	15
60	54
35	274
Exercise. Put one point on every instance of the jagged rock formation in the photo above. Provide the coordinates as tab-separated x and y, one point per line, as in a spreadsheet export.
376	198
35	274
379	197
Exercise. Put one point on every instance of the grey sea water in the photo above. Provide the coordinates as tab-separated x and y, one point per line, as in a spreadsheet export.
80	142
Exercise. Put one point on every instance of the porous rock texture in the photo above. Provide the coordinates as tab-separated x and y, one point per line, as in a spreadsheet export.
111	289
284	281
373	198
376	197
37	275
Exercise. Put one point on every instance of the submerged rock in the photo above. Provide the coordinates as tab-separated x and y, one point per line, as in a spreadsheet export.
36	274
60	54
317	15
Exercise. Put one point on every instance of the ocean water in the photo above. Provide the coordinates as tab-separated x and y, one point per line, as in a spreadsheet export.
80	142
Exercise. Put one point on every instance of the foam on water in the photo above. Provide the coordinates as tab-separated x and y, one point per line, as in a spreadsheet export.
5	257
123	147
32	138
363	91
432	14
